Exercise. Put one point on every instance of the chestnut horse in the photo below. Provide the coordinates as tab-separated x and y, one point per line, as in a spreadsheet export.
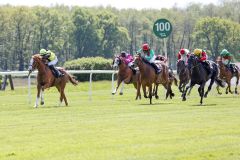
149	77
125	75
227	75
46	79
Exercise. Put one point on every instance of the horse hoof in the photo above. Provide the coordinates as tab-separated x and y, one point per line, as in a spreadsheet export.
120	93
157	97
42	103
184	99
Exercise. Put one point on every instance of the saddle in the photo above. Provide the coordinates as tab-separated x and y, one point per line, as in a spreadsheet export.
57	71
233	69
159	66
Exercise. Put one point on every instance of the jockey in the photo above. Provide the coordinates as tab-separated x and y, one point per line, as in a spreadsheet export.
227	59
202	55
128	60
149	56
52	60
183	54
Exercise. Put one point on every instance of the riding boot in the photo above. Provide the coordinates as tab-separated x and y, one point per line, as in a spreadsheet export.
232	68
157	70
133	69
55	71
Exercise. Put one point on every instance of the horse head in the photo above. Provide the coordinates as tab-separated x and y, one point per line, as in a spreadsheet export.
192	61
35	61
137	60
116	61
180	66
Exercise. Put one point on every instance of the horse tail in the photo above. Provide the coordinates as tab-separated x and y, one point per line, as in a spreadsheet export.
72	80
220	82
217	79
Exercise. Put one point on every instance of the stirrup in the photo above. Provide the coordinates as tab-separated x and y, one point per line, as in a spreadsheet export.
61	75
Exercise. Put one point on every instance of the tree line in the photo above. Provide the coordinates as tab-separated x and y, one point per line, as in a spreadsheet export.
75	32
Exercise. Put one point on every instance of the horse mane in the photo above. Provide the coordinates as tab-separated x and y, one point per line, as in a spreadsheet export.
37	56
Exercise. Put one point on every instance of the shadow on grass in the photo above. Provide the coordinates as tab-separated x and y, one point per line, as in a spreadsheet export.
232	96
154	104
200	105
49	107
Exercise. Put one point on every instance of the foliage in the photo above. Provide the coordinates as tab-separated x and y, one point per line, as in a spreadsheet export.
90	63
216	34
75	32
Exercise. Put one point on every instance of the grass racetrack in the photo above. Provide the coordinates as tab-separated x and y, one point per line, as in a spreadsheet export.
118	127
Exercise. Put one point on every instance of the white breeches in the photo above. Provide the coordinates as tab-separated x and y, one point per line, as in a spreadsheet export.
130	64
53	62
152	60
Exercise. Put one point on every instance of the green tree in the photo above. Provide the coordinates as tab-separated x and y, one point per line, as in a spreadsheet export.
216	34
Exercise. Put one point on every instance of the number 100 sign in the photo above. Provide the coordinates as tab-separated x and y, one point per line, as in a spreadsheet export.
162	28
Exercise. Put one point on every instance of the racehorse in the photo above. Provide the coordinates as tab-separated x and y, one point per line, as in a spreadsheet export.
46	79
199	75
184	75
227	75
125	75
149	77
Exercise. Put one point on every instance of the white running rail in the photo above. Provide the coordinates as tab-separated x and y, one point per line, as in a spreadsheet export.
25	73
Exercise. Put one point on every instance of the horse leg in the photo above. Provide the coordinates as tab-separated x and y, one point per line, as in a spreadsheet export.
150	93
155	92
218	90
42	98
236	92
180	86
171	92
118	83
138	86
227	89
229	86
189	92
202	93
64	97
144	91
61	96
185	92
167	93
38	95
209	87
121	90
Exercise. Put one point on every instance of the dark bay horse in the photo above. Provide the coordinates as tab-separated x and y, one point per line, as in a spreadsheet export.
125	75
200	76
149	77
227	75
46	79
183	74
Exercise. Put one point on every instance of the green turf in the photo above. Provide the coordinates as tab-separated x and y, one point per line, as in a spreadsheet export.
118	127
